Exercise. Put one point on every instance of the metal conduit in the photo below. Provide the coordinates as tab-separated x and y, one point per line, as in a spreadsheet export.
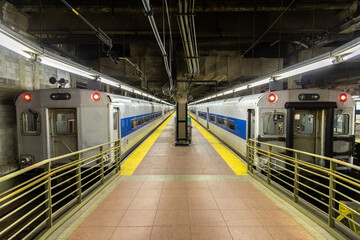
188	36
184	38
149	14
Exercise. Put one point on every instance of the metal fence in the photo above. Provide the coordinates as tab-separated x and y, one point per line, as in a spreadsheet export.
33	197
326	187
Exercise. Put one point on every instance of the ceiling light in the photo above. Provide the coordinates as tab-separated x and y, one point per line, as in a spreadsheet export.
14	46
109	82
137	92
240	88
306	68
228	92
260	82
127	88
66	67
351	55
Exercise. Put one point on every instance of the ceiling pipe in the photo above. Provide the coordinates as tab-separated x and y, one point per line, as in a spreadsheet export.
149	14
184	37
188	36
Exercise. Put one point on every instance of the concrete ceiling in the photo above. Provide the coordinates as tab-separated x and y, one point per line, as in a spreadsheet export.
226	31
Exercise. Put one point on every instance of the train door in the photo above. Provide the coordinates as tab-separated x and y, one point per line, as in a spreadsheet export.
207	118
307	132
251	124
63	131
116	124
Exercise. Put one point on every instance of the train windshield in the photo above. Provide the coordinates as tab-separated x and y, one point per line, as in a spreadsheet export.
273	123
30	123
65	123
304	123
341	124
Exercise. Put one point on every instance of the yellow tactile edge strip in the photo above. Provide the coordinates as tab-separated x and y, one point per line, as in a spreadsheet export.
233	161
135	158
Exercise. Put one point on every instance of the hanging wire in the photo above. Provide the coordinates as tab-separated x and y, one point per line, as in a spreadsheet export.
163	20
41	25
280	33
267	30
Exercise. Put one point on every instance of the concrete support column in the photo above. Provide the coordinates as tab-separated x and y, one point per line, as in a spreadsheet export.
182	135
22	79
36	76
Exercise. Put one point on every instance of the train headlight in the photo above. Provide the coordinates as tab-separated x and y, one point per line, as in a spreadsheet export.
343	97
95	96
26	160
27	97
272	97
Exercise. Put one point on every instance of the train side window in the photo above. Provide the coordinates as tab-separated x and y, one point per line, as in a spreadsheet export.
212	118
143	120
231	125
116	120
341	124
273	124
224	122
65	123
138	122
304	124
218	120
133	124
30	123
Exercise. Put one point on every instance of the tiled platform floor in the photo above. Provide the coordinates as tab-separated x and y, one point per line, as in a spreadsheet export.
185	193
188	210
166	159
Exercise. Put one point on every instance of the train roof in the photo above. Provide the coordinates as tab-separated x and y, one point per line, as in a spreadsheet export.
81	96
290	95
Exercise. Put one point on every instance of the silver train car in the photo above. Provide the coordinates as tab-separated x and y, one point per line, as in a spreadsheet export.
53	122
318	121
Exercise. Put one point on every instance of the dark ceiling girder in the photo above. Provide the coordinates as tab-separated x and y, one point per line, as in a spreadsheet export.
208	9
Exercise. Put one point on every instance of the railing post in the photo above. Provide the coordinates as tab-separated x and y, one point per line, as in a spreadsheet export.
331	221
250	155
48	195
118	156
296	179
253	157
102	164
269	165
78	185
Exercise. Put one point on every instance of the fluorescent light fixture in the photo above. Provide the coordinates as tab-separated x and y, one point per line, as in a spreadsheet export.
14	46
351	55
228	92
127	88
137	92
306	68
109	82
66	67
260	82
240	88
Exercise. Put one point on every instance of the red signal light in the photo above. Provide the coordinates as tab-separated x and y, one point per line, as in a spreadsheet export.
95	96
272	97
27	97
343	97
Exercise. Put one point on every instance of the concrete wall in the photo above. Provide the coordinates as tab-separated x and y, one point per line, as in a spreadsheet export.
229	66
16	75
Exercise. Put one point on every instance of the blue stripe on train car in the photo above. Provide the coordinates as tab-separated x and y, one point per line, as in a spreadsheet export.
126	123
240	125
